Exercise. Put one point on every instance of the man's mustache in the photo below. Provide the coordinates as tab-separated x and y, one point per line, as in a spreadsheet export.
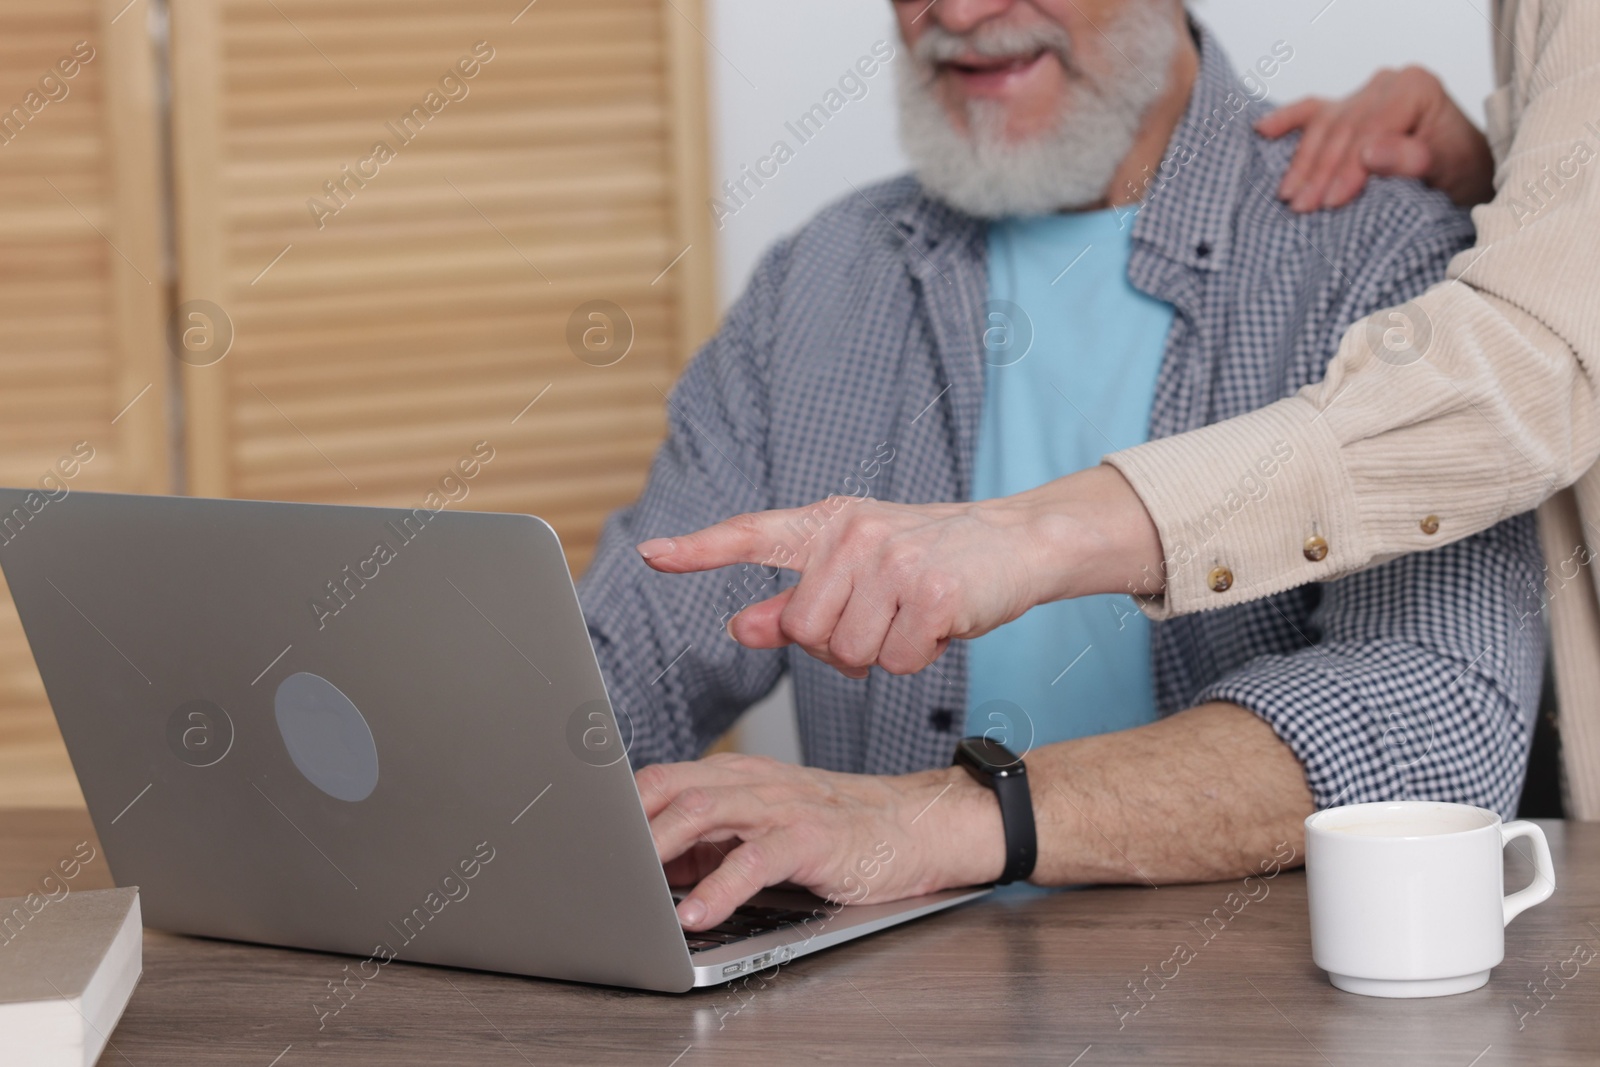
939	45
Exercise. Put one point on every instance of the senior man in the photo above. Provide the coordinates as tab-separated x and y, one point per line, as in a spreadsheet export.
1088	256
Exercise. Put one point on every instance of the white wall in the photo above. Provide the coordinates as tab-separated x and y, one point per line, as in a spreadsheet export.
777	59
773	59
1350	39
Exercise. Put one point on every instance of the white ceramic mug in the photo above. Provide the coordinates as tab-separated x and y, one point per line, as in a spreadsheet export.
1408	897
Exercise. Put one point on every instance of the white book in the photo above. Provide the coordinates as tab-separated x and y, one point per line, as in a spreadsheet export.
67	969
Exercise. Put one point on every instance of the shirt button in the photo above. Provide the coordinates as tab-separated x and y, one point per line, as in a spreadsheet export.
1316	549
1220	579
1430	525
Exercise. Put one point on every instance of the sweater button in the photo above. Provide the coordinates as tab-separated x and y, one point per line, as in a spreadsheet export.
1430	525
1316	549
1220	579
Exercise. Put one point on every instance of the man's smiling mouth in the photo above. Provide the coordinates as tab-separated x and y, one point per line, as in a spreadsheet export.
981	65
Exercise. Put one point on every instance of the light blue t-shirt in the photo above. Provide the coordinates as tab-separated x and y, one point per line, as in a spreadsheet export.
1072	352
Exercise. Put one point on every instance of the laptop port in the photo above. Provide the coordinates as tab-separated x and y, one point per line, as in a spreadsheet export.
732	968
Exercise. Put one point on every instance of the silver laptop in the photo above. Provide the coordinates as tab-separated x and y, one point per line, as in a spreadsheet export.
367	731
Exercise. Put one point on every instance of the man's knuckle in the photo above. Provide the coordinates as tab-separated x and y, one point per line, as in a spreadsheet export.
756	765
694	799
749	861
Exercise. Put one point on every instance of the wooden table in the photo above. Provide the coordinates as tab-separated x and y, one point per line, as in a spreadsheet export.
1026	976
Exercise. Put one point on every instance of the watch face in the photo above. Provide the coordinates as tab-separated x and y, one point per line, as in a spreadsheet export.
988	756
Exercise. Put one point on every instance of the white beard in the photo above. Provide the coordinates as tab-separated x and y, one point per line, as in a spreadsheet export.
983	173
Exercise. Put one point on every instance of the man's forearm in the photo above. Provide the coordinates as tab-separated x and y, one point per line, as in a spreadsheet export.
1209	793
1199	796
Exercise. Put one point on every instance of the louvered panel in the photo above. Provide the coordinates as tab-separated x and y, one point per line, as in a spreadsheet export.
432	307
81	295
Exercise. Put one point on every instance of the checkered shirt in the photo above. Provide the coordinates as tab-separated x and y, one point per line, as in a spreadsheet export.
853	363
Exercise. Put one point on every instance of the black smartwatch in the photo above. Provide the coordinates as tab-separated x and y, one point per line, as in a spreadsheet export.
997	767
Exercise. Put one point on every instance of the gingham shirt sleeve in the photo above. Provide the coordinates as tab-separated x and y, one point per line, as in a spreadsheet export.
675	677
1421	679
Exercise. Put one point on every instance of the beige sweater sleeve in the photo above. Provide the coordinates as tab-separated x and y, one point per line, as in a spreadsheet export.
1438	419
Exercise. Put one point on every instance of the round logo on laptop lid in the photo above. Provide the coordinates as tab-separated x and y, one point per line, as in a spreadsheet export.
327	737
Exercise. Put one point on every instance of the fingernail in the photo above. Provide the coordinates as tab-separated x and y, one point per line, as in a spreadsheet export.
691	912
658	547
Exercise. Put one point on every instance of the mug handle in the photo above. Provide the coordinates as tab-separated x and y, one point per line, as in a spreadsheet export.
1544	879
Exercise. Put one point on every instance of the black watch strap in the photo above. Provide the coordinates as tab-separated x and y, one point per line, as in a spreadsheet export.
997	767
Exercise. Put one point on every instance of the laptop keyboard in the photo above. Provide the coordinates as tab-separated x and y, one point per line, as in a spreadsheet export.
747	920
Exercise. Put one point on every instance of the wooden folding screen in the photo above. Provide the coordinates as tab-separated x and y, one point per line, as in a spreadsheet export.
406	233
419	219
83	288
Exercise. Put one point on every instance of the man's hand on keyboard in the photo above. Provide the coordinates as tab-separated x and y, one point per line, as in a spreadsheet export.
733	825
